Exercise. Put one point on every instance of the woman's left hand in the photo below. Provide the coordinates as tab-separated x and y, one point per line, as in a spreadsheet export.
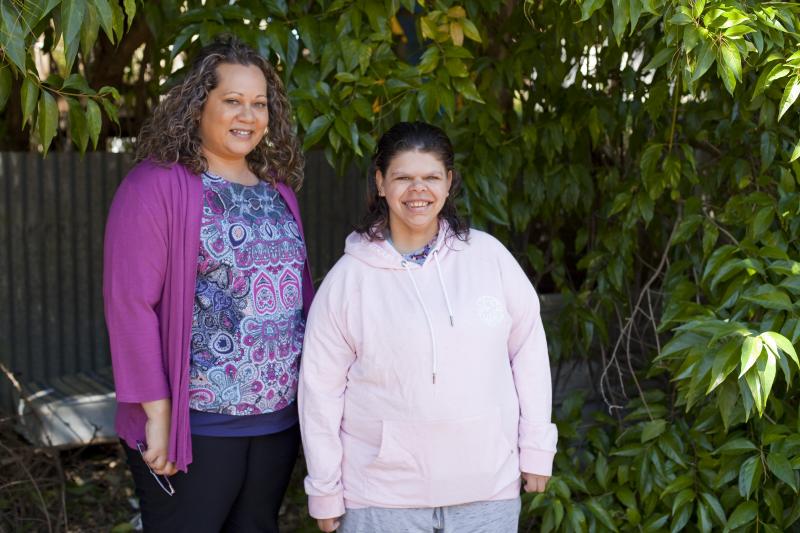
534	482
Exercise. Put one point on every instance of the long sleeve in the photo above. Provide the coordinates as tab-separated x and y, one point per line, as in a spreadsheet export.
134	266
327	356
527	348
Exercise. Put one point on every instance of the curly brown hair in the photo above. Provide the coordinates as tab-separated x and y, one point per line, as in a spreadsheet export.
171	134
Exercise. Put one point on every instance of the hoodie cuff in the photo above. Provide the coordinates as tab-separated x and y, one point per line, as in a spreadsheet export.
537	462
331	506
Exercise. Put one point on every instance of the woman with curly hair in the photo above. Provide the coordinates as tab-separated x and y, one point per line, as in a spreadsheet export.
206	288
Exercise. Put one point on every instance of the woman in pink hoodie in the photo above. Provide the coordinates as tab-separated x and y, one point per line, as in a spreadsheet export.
425	392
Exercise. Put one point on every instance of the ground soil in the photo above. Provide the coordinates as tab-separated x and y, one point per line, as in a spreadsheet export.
88	489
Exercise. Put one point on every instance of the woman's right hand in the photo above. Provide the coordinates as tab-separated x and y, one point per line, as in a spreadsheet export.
328	524
156	430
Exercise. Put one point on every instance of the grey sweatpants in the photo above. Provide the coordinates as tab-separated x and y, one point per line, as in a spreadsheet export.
501	516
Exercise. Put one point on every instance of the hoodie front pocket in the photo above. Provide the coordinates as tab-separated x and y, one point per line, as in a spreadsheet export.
441	461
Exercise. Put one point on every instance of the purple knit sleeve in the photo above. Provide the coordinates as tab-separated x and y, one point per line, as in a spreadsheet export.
134	266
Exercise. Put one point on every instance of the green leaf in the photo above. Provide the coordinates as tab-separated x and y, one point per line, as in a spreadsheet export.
681	19
649	159
767	368
48	119
731	59
118	20
13	36
790	94
29	95
622	16
749	474
681	518
588	7
362	107
94	121
710	236
792	284
736	446
5	85
681	498
601	514
779	465
72	14
653	429
654	523
345	77
635	11
717	258
769	146
621	201
456	67
751	349
795	152
753	383
77	125
770	297
687	228
725	362
727	398
738	31
678	484
744	513
762	221
429	60
316	130
713	503
774	503
354	139
130	10
660	58
89	30
783	343
111	111
625	496
77	82
466	88
105	16
470	30
705	58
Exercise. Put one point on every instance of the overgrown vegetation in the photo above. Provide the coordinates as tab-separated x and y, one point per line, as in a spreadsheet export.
639	157
72	491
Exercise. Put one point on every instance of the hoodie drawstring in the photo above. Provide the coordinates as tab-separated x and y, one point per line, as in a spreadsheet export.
444	289
427	317
425	308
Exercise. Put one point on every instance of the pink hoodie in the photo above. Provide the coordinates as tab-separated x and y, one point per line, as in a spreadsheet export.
424	386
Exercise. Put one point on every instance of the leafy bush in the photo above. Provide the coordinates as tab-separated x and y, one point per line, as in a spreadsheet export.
640	157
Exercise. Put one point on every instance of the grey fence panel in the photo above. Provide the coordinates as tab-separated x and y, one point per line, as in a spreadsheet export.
52	219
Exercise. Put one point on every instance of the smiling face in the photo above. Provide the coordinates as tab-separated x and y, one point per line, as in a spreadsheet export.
235	116
415	186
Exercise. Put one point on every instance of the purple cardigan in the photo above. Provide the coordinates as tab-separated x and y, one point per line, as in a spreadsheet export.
149	273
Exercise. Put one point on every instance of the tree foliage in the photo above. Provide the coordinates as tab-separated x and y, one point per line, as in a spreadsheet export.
640	157
62	32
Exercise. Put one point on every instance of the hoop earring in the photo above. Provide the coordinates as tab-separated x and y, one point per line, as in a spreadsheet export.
266	139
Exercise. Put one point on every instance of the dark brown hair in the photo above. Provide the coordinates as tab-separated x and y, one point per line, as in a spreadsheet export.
171	134
405	137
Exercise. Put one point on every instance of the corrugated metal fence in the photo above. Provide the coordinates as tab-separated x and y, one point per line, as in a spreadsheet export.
52	218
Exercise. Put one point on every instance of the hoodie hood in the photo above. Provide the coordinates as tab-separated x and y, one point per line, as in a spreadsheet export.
381	254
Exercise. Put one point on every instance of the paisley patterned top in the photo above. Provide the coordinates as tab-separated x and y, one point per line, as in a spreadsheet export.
419	256
247	328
